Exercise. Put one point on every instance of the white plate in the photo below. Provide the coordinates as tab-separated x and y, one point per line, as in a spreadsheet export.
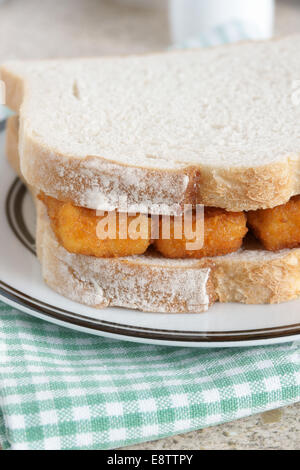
21	286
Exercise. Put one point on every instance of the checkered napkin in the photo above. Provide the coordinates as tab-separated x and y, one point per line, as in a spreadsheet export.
61	389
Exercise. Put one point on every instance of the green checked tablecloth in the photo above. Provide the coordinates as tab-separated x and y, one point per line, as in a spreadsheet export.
61	389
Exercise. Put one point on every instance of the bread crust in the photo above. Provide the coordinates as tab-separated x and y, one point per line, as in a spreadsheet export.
97	183
257	276
83	182
11	144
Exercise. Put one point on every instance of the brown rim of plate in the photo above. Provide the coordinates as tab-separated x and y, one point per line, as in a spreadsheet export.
17	223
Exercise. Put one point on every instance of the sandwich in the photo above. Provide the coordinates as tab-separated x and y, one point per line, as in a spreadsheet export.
164	182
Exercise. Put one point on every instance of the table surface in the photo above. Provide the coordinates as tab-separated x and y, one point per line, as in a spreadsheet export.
34	29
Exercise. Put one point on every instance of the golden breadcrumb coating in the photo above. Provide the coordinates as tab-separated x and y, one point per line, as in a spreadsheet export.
79	230
223	233
279	227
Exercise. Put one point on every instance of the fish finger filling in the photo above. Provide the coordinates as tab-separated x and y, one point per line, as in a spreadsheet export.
223	233
213	232
82	231
279	227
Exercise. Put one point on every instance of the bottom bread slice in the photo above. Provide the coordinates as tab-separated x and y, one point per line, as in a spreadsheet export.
156	284
253	275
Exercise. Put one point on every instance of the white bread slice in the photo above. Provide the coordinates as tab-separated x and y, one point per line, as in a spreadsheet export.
152	283
216	126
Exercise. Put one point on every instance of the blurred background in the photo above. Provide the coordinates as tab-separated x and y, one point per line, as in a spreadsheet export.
69	28
51	28
35	29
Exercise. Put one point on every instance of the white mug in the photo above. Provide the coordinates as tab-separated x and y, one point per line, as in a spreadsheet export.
190	18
